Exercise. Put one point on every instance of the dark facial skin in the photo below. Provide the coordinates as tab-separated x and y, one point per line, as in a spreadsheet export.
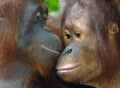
36	39
88	45
36	47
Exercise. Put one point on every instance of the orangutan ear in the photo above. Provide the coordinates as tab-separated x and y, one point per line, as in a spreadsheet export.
113	28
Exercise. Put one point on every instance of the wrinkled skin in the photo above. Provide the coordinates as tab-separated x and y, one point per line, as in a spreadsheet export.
90	31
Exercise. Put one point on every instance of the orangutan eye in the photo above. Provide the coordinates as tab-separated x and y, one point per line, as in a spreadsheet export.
45	16
67	33
38	15
77	34
68	36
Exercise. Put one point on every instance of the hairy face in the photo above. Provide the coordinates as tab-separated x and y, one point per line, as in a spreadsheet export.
79	61
35	42
86	42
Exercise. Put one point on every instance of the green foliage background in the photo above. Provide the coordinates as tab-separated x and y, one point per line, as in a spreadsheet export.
53	5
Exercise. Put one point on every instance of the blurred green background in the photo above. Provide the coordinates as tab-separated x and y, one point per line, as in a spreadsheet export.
53	5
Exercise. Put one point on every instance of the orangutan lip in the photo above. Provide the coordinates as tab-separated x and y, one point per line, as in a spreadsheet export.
50	50
67	69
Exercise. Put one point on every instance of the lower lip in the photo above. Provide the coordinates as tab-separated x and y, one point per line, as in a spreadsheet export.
68	69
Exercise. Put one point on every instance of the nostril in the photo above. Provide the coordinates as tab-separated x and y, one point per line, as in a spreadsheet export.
69	51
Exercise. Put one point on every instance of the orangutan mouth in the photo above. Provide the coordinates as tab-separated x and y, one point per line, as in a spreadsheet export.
50	50
67	67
